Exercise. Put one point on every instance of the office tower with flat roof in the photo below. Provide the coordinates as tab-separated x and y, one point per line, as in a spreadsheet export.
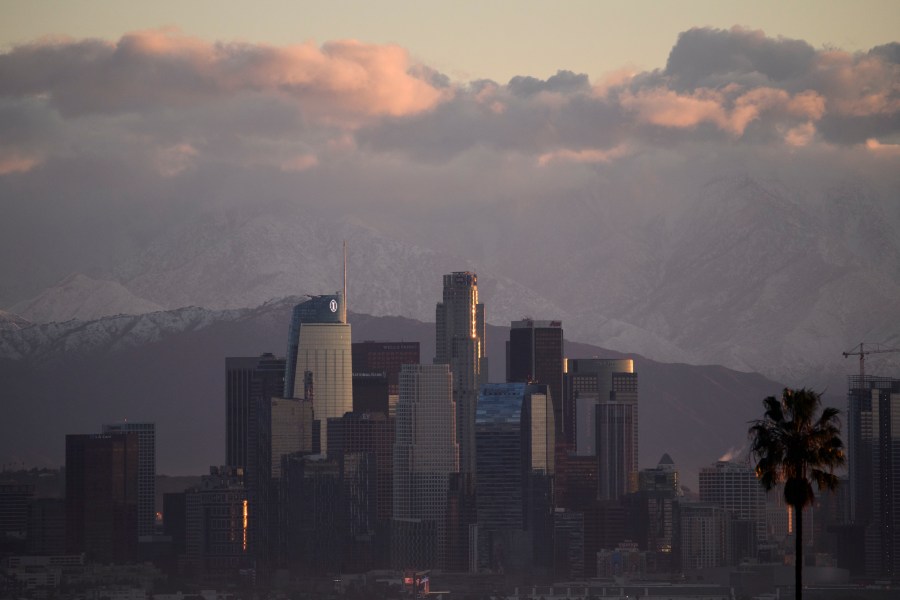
14	500
702	536
370	394
363	433
602	407
319	359
315	528
873	435
250	382
734	487
101	496
514	448
534	354
460	344
146	500
217	532
386	358
425	455
47	526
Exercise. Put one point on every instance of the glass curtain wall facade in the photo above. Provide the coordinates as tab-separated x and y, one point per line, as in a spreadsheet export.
319	359
460	343
873	436
425	455
514	448
146	471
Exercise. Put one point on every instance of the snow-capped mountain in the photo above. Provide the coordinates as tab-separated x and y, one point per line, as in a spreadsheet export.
168	367
745	272
81	297
12	322
241	259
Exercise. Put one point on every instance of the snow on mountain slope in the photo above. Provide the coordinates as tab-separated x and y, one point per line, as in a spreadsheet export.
81	297
239	259
761	279
744	272
12	322
168	368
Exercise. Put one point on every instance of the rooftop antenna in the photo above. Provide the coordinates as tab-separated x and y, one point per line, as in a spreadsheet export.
345	281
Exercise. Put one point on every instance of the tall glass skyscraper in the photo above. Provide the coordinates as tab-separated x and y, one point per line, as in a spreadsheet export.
534	354
425	456
514	435
319	359
146	472
602	407
873	435
460	343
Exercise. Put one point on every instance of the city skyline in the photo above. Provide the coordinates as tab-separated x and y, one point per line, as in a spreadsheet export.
326	506
222	159
657	214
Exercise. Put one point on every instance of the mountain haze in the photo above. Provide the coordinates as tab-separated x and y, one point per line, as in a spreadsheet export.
169	368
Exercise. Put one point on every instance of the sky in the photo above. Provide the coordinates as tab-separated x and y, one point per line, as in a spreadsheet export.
117	123
470	39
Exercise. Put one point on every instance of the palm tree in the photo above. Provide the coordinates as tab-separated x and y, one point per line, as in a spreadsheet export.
794	447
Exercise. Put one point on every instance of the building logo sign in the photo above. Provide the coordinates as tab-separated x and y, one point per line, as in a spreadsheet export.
333	305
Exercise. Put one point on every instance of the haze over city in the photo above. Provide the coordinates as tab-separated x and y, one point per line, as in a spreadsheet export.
709	189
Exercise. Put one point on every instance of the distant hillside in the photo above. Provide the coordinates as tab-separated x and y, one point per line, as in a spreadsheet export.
168	368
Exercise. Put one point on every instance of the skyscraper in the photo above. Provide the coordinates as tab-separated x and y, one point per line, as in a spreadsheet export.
146	473
514	441
101	496
460	343
425	456
735	488
386	358
249	382
873	434
534	354
602	407
376	374
319	359
217	532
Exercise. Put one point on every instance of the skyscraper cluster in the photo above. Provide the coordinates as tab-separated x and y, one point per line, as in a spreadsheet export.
348	457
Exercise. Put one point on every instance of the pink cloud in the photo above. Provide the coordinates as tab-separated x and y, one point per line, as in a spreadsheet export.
585	155
800	136
17	163
172	160
342	81
728	109
301	162
668	108
880	149
858	86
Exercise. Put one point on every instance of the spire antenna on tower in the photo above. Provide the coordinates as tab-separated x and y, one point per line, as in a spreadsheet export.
345	281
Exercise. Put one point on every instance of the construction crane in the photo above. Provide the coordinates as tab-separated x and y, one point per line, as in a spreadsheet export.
862	349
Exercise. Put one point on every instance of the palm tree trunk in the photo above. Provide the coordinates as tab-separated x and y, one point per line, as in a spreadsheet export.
798	553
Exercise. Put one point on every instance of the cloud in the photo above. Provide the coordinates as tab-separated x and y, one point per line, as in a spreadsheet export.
876	147
163	69
564	82
703	57
587	155
177	103
15	163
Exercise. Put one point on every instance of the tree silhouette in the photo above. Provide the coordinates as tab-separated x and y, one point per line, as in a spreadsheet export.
795	447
